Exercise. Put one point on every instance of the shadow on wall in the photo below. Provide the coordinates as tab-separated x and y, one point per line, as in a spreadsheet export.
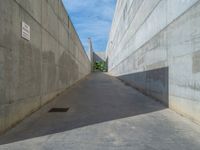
98	98
96	57
153	83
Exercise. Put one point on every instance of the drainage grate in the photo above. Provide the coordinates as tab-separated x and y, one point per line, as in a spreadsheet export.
58	109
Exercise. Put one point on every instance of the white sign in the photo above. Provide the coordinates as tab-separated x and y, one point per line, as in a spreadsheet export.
25	31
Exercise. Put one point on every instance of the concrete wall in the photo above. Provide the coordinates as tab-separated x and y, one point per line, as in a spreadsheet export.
99	56
33	72
90	51
155	46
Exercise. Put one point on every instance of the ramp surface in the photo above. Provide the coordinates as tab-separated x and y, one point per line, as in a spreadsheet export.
103	113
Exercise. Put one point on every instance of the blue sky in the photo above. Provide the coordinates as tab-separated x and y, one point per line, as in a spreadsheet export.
92	18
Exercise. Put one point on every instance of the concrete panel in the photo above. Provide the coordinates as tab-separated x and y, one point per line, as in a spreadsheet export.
99	56
196	62
10	23
2	77
177	8
33	72
33	7
165	34
153	83
26	70
50	19
186	107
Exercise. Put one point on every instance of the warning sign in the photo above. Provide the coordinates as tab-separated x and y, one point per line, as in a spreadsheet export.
25	31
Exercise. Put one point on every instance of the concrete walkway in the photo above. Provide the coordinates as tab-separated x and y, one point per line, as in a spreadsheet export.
104	114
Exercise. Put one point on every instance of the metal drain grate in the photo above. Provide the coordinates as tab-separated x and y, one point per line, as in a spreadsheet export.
58	109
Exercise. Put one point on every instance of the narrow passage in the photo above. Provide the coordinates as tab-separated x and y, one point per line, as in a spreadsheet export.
102	113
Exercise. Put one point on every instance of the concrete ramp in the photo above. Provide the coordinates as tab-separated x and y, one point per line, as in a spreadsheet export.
103	113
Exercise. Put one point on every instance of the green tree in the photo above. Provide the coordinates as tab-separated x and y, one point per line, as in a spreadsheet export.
100	65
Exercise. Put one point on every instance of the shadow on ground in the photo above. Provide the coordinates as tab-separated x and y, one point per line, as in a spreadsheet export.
98	98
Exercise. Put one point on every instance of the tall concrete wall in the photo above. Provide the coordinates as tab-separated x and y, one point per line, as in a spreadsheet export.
99	56
33	72
154	45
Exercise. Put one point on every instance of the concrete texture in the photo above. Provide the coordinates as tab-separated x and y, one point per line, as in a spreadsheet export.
104	114
153	83
99	56
90	51
154	35
33	72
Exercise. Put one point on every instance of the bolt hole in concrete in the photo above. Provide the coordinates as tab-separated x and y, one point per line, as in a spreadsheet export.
58	110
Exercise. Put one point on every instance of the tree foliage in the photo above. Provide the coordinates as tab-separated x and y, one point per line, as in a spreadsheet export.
100	65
